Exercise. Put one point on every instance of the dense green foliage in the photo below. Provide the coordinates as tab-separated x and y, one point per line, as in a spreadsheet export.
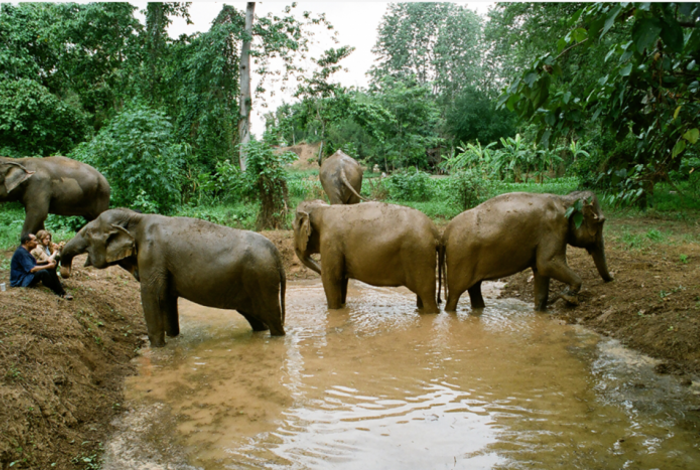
603	95
646	90
138	154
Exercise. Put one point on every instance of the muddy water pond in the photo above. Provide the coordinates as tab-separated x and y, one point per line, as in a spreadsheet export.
377	385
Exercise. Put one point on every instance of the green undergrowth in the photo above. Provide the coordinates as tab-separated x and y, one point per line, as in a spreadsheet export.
433	196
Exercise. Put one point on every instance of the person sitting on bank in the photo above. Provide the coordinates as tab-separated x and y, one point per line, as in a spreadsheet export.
25	272
45	251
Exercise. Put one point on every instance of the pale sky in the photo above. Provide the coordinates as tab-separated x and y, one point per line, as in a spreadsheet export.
356	23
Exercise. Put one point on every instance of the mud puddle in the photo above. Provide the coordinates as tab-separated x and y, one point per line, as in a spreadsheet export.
377	385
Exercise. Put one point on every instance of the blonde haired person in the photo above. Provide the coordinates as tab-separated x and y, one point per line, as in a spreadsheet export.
46	251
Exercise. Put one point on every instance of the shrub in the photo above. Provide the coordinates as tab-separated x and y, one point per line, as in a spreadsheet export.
266	181
467	189
138	155
410	184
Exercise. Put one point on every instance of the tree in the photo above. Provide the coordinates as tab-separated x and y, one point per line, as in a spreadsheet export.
413	129
158	18
246	99
472	117
649	91
76	52
437	43
35	122
322	97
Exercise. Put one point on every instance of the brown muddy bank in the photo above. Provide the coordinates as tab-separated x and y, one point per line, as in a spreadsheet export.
62	366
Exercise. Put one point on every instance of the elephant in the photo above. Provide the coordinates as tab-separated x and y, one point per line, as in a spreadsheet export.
341	178
376	243
515	231
173	257
52	185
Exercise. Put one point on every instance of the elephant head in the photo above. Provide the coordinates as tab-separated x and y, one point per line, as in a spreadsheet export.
107	240
12	174
306	238
589	234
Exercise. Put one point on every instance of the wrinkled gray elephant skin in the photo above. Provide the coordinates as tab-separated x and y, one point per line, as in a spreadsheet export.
376	243
52	185
341	178
516	231
173	257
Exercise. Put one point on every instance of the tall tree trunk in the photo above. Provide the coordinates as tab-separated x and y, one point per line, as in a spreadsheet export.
246	100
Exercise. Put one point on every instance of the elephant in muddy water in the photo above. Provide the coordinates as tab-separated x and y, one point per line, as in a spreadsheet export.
341	178
376	243
52	185
515	231
173	257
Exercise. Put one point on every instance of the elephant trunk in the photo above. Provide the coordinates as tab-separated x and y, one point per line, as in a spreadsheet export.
309	262
76	246
598	253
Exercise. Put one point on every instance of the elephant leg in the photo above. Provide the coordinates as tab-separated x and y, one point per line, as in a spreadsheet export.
456	285
153	301
263	309
333	276
419	302
344	290
172	318
541	291
426	301
475	296
36	212
255	323
558	269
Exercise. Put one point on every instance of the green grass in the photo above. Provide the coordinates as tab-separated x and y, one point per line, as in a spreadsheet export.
11	221
437	204
236	215
553	186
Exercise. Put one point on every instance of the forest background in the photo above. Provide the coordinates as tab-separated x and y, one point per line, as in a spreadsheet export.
544	97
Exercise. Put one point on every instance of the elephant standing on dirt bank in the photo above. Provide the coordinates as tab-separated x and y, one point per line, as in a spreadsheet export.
341	178
515	231
52	185
173	257
376	243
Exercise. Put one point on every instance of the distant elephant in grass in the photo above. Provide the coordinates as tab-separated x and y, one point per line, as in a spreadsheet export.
52	185
341	178
175	257
515	231
376	243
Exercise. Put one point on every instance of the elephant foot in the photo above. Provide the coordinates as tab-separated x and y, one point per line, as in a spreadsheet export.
430	310
277	332
157	342
570	299
451	307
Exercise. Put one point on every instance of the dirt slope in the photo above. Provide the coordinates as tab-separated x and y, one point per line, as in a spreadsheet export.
307	153
62	366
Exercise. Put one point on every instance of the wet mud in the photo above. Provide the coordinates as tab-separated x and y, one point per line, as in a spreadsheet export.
379	385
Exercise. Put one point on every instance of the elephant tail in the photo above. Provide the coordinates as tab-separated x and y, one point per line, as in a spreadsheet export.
349	186
283	287
441	270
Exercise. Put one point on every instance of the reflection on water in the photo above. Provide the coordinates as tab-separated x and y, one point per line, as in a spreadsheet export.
377	385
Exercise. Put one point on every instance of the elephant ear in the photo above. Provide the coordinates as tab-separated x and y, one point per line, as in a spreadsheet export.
120	244
592	220
304	231
15	175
